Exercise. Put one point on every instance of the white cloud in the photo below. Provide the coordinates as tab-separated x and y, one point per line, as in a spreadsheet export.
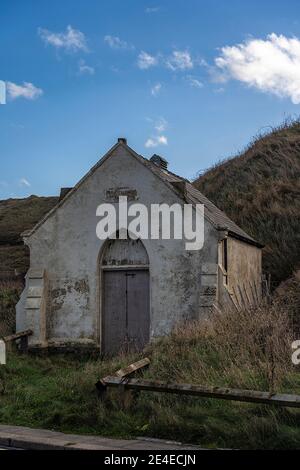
72	40
180	60
156	141
194	82
27	91
152	9
24	182
219	90
85	69
155	90
145	60
161	125
116	43
271	65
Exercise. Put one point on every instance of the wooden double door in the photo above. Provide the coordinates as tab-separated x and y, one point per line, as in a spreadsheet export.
125	310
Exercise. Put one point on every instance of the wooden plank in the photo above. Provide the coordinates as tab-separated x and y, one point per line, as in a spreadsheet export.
230	296
133	367
243	301
250	396
16	336
256	292
255	302
247	296
239	305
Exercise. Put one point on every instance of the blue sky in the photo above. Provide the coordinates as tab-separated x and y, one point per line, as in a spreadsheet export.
191	80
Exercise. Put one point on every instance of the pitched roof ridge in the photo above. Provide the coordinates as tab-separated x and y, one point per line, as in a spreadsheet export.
217	217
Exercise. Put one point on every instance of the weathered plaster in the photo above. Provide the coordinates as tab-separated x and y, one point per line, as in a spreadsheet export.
182	283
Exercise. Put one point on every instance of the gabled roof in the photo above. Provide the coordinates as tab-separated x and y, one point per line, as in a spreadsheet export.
217	217
191	195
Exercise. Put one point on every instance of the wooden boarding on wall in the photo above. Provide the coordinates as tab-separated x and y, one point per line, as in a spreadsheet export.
237	300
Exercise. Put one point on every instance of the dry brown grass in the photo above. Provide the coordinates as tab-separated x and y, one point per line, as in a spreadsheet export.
260	190
243	349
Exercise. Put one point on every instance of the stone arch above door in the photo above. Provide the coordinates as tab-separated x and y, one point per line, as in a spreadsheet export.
126	252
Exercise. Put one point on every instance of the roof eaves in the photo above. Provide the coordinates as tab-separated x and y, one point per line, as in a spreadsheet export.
249	240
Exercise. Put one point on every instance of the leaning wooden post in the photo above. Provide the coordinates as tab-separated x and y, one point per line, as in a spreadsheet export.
126	395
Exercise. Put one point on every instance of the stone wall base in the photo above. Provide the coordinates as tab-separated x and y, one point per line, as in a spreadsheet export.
76	349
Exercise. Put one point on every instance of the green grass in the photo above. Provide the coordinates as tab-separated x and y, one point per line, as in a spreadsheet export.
58	392
245	350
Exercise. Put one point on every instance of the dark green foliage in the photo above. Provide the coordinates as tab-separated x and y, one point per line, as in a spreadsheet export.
16	216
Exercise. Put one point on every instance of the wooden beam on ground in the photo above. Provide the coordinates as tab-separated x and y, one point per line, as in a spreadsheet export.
133	368
121	374
16	336
250	396
23	336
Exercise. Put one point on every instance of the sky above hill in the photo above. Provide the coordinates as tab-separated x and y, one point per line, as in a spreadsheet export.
191	80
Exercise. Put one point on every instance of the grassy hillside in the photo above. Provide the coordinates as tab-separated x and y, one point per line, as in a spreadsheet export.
260	190
16	216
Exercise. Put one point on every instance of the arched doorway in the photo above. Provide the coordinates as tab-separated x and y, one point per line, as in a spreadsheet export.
125	298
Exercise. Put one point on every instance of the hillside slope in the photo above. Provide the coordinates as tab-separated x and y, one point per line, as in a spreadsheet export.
16	216
260	190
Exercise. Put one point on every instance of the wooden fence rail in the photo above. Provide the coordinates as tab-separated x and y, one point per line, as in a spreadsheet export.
219	393
22	336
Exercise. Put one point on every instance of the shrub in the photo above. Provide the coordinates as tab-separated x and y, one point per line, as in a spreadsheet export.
9	295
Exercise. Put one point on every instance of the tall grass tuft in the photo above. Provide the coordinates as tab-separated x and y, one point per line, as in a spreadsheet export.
243	349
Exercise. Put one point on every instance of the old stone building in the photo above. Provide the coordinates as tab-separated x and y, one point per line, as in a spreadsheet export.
109	294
